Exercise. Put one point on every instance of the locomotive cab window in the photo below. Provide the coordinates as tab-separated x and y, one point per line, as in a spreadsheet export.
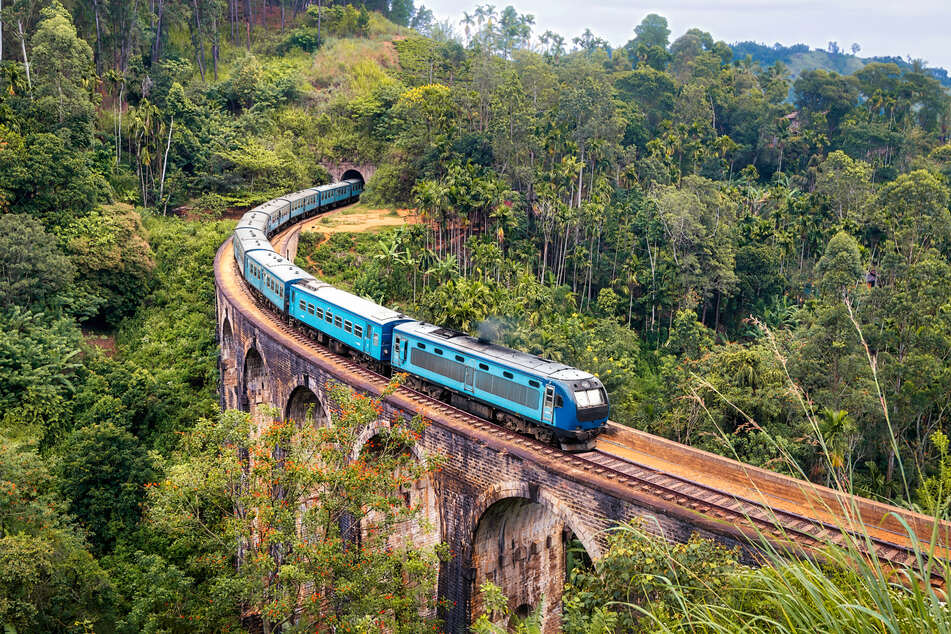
559	402
589	398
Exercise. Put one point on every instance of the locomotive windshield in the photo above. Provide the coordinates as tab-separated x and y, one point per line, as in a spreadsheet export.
589	398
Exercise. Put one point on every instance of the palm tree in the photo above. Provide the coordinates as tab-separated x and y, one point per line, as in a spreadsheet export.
468	21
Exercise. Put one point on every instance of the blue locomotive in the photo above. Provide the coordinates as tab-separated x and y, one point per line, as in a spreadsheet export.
551	401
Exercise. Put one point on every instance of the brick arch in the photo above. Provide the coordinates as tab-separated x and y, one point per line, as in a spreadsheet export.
303	402
519	538
229	369
427	530
255	379
527	491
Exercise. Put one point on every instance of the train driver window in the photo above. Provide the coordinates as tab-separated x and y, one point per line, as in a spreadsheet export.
559	402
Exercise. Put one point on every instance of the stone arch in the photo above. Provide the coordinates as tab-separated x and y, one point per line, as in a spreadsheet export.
427	531
255	385
229	369
352	173
520	535
303	404
534	493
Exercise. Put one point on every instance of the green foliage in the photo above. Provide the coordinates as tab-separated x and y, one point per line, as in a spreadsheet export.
51	583
102	472
38	366
273	472
171	338
642	580
33	273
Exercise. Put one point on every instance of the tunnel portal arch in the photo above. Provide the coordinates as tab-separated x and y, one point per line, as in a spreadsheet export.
352	173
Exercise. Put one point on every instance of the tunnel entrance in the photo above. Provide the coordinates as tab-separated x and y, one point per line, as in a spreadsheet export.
351	173
304	406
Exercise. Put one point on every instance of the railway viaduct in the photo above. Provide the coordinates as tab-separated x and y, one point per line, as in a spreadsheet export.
508	506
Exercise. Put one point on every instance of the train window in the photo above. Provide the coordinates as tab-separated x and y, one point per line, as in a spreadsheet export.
358	331
533	383
302	304
420	345
589	398
328	316
310	308
338	321
376	338
559	402
437	350
460	358
319	312
483	366
508	375
347	326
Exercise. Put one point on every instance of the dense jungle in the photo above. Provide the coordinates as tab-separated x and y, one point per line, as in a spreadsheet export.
754	257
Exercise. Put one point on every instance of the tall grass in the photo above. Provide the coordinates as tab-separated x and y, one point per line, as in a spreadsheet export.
842	587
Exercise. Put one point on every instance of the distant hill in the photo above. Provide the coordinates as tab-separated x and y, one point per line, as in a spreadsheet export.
799	58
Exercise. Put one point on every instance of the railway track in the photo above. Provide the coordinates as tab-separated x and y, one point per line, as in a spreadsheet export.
756	515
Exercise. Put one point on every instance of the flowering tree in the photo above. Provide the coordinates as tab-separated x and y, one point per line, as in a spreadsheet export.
286	524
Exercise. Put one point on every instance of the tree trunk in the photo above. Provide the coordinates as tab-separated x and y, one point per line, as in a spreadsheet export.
214	44
26	62
171	124
249	17
200	52
157	42
95	4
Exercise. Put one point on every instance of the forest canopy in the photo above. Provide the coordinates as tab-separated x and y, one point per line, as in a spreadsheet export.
749	245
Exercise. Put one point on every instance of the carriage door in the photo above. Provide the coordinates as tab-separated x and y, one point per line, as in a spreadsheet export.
367	330
470	372
548	408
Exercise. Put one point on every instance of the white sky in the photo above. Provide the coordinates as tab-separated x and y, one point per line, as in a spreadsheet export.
919	28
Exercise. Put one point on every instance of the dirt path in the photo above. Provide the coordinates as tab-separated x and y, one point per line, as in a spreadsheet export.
359	219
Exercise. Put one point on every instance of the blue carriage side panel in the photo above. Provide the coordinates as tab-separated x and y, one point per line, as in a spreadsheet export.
357	322
443	361
271	275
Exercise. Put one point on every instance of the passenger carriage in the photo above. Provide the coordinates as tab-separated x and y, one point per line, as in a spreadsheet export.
248	239
359	323
271	275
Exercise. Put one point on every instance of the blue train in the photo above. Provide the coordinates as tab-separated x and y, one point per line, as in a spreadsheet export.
551	401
